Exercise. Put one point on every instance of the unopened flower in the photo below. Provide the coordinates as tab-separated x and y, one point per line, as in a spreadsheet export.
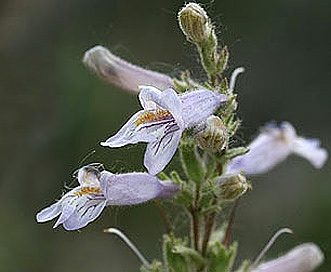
122	73
98	189
195	23
272	146
233	186
212	135
303	258
164	117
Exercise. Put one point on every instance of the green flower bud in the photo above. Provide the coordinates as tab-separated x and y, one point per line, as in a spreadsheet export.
233	186
195	23
213	135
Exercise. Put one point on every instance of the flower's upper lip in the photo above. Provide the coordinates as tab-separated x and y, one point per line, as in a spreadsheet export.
152	99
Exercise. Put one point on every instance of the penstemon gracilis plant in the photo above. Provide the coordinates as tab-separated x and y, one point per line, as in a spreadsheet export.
199	119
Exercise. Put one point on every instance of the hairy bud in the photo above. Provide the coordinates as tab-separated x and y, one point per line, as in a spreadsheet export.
212	135
195	23
233	187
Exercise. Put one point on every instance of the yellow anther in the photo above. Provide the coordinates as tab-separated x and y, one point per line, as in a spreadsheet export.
151	116
88	191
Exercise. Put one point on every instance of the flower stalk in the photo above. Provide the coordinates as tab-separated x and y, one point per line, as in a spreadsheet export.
195	225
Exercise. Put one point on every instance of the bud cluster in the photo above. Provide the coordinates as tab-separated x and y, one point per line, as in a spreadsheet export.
198	29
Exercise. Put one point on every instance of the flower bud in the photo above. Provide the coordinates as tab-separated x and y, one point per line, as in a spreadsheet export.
195	23
233	187
212	135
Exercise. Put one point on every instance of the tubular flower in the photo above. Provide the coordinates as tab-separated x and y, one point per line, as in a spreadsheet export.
303	258
272	146
164	117
122	73
98	189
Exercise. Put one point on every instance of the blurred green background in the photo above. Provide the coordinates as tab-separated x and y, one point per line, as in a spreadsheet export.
54	112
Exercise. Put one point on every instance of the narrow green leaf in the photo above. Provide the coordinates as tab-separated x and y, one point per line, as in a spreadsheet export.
223	59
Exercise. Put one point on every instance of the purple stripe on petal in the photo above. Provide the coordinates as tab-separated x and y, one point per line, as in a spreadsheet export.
167	100
159	153
85	212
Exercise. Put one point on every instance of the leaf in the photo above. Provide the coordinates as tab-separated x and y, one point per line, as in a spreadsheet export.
190	254
175	262
192	162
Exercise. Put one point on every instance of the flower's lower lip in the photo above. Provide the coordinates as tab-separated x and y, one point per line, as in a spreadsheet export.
163	122
171	129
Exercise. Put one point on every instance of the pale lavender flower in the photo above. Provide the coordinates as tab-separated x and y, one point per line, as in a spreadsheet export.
303	258
164	117
134	188
272	146
121	73
84	204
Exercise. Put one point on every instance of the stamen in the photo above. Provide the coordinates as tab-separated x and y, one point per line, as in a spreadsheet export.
269	244
89	190
152	116
92	152
234	75
129	244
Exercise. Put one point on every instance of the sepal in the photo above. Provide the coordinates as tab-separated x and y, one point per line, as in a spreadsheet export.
223	59
155	266
231	154
222	258
174	261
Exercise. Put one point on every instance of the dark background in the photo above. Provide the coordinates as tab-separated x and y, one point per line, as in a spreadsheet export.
54	112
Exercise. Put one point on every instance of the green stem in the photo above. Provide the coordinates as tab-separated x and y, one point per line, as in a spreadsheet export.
230	224
213	80
209	225
163	216
195	225
195	228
